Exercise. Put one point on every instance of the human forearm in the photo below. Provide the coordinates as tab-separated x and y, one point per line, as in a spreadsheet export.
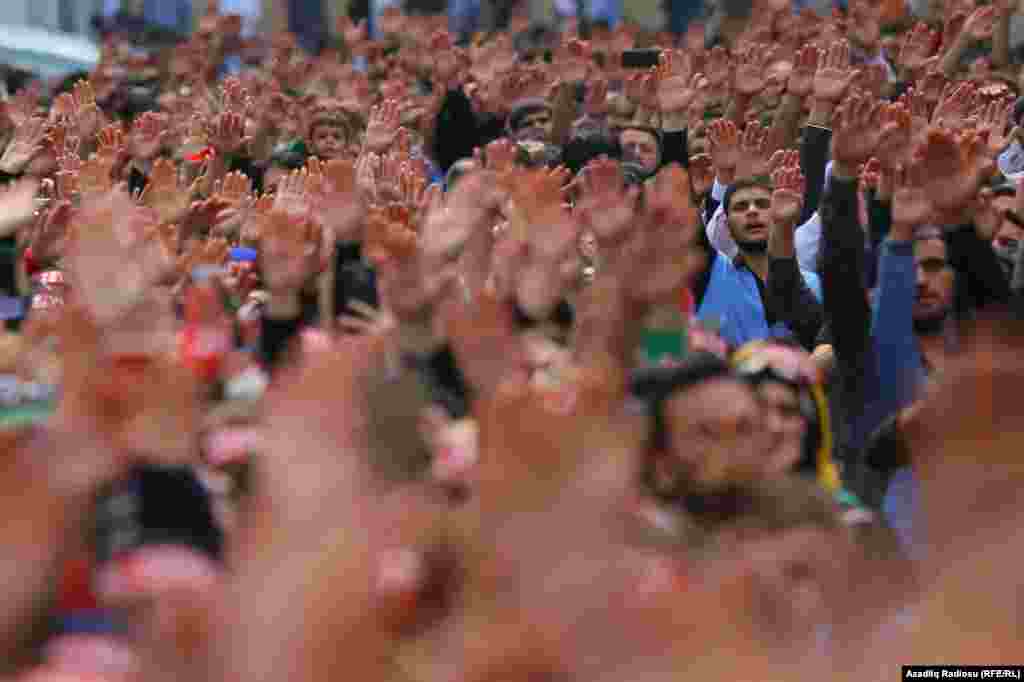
792	301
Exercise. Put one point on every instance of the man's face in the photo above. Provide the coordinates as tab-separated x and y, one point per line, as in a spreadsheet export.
749	218
715	432
934	280
535	126
784	423
640	147
329	141
1010	231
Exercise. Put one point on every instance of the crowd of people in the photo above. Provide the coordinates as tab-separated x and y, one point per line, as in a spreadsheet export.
521	355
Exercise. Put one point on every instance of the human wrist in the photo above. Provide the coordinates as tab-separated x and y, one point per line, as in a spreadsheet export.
843	170
821	112
283	305
674	121
416	338
726	176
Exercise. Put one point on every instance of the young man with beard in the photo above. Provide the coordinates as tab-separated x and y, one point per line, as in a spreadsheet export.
758	295
886	345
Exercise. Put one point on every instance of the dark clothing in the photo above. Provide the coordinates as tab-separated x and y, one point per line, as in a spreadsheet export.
458	130
814	152
789	299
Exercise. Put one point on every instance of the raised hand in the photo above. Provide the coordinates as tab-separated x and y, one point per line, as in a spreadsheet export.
23	105
801	78
110	141
104	257
87	114
608	208
164	194
227	133
148	134
993	121
702	174
595	103
918	48
920	113
911	205
676	82
537	196
871	78
129	411
17	205
932	87
718	68
96	176
856	132
661	257
339	206
834	74
234	97
289	251
955	167
292	196
956	104
382	126
469	208
235	188
211	252
897	136
755	153
724	141
749	79
641	89
787	196
235	194
48	242
24	146
981	23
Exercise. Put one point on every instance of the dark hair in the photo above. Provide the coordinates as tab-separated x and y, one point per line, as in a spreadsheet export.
656	385
653	132
583	149
561	317
458	169
747	183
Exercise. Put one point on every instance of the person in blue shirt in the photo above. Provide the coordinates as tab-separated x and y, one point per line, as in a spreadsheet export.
756	295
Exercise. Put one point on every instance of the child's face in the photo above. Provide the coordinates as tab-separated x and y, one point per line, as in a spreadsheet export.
329	141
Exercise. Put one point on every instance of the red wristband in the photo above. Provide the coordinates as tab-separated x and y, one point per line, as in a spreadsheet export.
31	266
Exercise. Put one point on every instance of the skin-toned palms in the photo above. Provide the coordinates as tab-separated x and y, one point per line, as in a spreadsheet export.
834	74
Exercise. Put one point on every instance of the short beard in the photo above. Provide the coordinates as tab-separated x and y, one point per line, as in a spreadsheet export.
753	247
930	326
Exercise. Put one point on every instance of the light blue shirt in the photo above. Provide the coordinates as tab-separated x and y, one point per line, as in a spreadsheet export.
733	301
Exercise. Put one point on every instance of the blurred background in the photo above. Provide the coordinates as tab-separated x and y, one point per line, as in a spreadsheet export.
58	36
